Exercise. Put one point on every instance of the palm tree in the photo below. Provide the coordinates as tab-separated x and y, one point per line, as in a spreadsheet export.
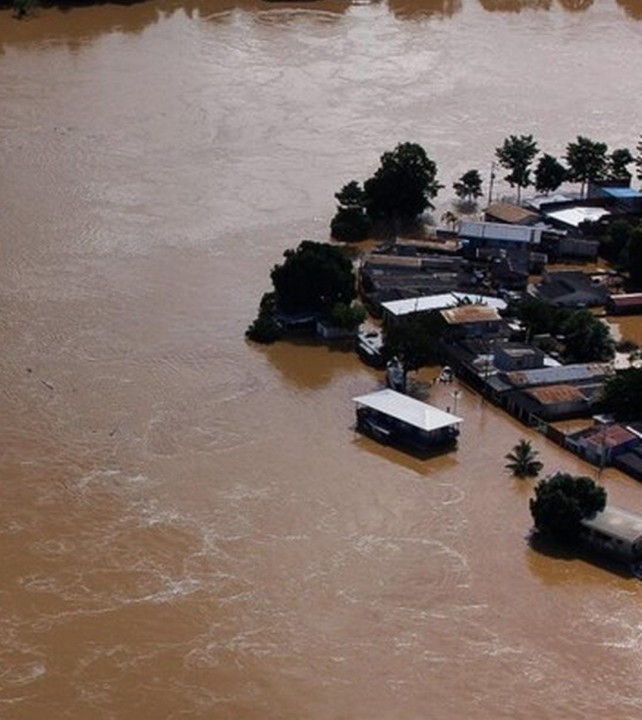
522	460
450	219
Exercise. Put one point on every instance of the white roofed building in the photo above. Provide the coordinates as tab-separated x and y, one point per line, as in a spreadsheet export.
391	417
396	309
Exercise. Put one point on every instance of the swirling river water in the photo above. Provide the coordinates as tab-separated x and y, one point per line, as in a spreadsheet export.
189	526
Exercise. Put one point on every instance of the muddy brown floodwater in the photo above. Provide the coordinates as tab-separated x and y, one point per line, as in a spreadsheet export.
190	527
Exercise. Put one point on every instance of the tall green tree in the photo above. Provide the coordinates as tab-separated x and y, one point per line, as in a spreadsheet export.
540	317
614	244
516	155
350	222
522	460
549	174
622	394
586	338
351	195
633	260
414	340
469	186
403	186
618	163
587	160
314	277
562	501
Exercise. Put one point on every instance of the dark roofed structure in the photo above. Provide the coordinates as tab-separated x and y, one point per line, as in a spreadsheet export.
624	303
571	289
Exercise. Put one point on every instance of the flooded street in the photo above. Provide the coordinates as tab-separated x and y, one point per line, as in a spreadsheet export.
189	526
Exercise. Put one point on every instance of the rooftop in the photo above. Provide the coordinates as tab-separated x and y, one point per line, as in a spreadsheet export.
616	522
516	351
622	193
626	299
408	410
499	231
554	394
558	375
610	436
575	216
463	314
440	302
509	213
539	201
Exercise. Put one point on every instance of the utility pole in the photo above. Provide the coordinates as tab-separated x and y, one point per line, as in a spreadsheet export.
455	394
491	182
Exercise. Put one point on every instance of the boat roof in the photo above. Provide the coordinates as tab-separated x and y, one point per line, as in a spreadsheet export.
408	410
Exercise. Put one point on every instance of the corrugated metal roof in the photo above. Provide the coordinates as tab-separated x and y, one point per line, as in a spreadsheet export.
509	213
408	410
440	302
611	436
539	200
617	523
622	192
473	229
470	314
554	394
557	375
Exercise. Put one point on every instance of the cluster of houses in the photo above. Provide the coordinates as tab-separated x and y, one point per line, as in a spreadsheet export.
471	274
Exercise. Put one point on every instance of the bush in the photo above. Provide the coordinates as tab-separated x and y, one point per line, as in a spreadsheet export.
563	501
264	330
347	317
350	225
313	278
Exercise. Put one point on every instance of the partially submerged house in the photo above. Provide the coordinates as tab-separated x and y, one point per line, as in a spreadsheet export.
614	532
552	393
393	418
603	443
